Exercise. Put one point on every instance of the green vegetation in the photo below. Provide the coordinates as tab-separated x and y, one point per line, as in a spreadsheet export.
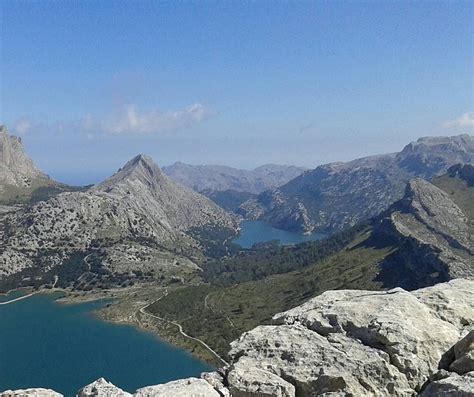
39	190
217	314
230	199
215	241
268	259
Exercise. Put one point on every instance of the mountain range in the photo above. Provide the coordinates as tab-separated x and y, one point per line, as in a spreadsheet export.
337	195
220	178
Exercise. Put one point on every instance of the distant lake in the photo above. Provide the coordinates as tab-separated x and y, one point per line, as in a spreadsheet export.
65	347
253	232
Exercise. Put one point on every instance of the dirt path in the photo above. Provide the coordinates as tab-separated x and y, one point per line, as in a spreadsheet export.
180	328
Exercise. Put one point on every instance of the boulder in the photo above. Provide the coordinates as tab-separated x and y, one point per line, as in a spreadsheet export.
247	381
361	342
37	392
464	355
452	386
189	387
102	388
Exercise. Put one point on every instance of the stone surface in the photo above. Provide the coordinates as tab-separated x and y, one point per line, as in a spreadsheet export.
361	342
37	392
16	168
338	195
464	355
452	386
189	387
102	388
247	381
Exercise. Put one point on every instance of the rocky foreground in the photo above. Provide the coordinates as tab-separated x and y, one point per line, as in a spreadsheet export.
343	343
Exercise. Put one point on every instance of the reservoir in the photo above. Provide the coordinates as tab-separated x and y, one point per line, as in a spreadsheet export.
65	347
253	232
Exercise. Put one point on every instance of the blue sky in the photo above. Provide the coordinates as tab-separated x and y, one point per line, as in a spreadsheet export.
89	84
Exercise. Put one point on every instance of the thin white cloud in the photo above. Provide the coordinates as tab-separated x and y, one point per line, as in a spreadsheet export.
132	121
465	120
127	121
22	126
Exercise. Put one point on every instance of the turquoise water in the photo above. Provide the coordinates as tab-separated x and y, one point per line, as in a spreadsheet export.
14	294
64	347
253	232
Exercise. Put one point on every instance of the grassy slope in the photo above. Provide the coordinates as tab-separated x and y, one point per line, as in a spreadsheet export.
229	311
232	310
40	190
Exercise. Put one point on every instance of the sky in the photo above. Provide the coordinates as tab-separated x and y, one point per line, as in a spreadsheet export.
90	84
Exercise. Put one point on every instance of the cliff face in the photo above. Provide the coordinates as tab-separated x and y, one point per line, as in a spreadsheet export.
19	177
434	234
16	168
343	343
334	196
136	220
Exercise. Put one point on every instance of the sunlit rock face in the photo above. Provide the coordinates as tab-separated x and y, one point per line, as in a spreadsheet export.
16	167
335	196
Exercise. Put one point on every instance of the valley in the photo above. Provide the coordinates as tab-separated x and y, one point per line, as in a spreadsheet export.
169	261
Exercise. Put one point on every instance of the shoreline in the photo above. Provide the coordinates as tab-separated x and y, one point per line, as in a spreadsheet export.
126	308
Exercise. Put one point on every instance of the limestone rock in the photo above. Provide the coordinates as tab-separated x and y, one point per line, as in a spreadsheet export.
247	381
452	386
102	388
37	392
464	355
189	387
216	380
361	342
16	168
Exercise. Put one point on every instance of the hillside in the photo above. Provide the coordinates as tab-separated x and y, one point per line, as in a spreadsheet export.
135	226
243	293
335	196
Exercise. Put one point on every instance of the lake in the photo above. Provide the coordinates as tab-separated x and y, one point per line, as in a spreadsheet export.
65	347
253	232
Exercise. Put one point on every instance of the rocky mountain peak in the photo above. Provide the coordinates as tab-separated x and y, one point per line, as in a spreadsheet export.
16	167
141	169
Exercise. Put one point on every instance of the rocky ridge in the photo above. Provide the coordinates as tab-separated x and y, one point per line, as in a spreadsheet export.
135	220
341	343
432	231
212	178
335	196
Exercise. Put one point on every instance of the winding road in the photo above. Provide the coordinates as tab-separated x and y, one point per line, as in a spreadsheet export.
180	328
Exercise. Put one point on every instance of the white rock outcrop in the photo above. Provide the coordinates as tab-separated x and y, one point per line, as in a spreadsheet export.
102	388
362	342
190	387
36	392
